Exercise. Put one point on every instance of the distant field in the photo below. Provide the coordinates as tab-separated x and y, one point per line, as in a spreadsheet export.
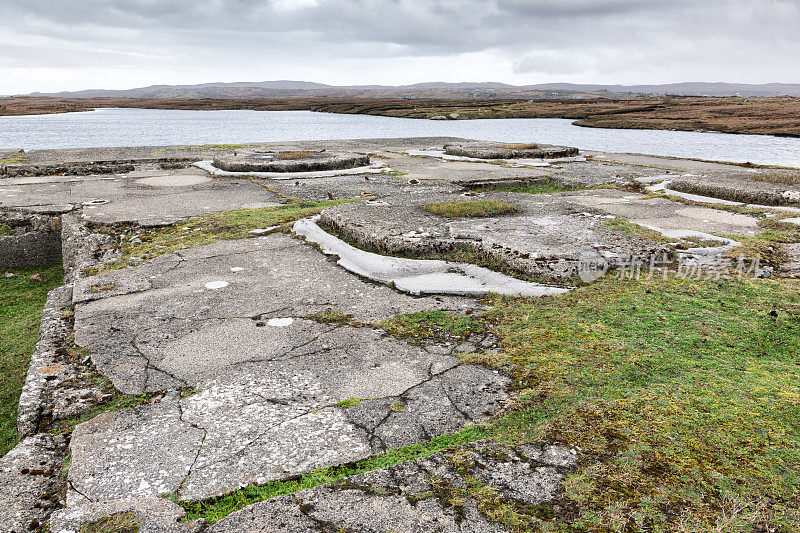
764	116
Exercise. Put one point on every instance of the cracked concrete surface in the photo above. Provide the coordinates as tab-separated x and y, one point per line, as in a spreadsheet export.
268	378
430	494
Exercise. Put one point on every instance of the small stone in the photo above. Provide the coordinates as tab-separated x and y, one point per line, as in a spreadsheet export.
213	285
280	322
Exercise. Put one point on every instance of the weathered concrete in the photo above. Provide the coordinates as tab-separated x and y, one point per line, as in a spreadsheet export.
155	515
485	150
420	276
270	162
740	189
426	495
152	197
549	236
31	486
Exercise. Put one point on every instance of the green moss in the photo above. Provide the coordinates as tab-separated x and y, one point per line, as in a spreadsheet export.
118	523
626	226
432	325
331	316
212	228
349	402
5	230
15	159
470	208
544	186
21	302
398	406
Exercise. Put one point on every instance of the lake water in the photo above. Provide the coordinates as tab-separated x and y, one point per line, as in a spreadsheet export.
148	127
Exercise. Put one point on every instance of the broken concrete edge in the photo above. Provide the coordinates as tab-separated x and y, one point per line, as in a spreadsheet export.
31	482
316	162
420	276
663	188
82	249
154	515
758	193
483	150
44	368
436	492
35	241
374	168
86	167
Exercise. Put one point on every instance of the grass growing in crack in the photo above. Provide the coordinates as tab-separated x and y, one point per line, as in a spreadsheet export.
435	325
208	229
5	230
331	316
217	508
470	208
535	187
117	403
626	226
117	523
21	303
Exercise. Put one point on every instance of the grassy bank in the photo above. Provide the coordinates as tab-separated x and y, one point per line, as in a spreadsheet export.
21	303
682	396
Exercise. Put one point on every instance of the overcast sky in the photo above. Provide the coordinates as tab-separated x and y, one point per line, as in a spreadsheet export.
50	45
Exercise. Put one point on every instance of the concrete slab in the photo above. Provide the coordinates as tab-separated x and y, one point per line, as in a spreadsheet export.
665	214
160	197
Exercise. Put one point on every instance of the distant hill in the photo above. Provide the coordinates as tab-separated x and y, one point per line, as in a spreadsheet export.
306	89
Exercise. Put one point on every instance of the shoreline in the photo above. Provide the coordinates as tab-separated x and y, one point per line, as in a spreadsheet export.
776	116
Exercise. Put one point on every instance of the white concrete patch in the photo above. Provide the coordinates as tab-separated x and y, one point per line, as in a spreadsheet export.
375	168
420	276
236	269
262	231
213	285
280	322
663	187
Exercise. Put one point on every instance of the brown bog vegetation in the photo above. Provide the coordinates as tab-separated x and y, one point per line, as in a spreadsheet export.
767	116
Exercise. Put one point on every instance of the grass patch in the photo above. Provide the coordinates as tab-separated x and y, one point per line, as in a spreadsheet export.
432	325
683	397
5	230
15	159
21	302
535	187
784	178
626	226
118	523
294	155
520	146
470	208
208	229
